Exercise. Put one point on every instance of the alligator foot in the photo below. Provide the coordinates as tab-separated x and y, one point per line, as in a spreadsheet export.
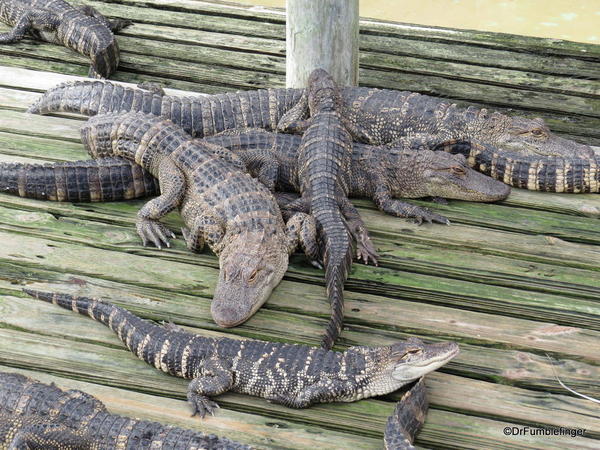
365	250
154	232
201	405
422	215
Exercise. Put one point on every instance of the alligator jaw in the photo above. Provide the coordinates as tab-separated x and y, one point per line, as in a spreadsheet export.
249	273
475	187
428	358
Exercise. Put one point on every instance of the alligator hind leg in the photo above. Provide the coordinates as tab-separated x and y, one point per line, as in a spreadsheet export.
115	25
214	380
365	249
30	21
291	203
172	185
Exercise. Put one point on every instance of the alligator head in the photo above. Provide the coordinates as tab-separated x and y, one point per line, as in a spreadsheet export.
532	137
251	264
441	174
390	367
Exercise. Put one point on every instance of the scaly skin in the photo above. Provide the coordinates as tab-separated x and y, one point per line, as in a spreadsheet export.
324	158
101	180
46	417
82	29
220	203
296	376
35	432
381	117
379	173
407	419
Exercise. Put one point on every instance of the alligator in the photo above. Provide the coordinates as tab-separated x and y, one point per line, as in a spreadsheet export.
79	28
381	173
39	415
384	116
407	419
35	432
221	205
293	375
324	158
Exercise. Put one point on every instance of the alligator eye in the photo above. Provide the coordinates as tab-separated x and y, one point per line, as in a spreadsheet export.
414	351
537	132
253	276
458	170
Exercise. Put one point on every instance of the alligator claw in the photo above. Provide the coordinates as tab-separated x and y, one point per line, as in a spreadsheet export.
316	264
427	216
154	232
201	405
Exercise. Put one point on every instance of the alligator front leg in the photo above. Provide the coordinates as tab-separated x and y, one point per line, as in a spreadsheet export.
213	380
172	188
30	21
387	204
204	229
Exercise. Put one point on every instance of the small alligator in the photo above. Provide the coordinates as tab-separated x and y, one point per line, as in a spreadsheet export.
324	158
296	376
407	419
220	203
81	28
39	415
383	116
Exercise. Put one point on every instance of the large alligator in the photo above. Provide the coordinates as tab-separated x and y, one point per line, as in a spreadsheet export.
324	158
221	205
384	116
43	416
296	376
81	28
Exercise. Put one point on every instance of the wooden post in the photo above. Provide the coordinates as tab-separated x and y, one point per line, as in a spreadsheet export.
322	34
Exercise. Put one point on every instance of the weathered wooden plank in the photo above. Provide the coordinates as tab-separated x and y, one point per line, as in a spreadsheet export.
560	305
484	39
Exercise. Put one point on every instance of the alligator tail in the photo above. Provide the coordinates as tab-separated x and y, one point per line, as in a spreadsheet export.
96	97
538	172
338	255
101	180
408	417
140	336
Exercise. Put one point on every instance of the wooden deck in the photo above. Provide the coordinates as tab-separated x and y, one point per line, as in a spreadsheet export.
511	282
